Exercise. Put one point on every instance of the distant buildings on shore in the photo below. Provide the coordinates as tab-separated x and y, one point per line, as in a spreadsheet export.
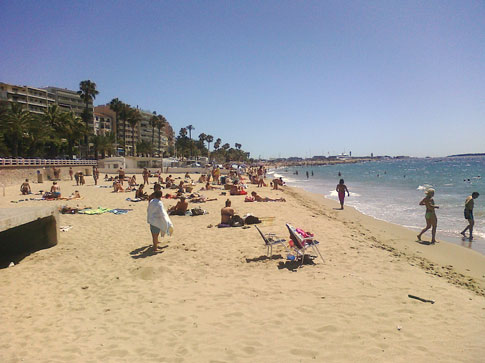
37	100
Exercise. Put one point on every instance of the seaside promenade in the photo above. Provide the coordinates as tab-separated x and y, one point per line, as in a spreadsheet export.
211	295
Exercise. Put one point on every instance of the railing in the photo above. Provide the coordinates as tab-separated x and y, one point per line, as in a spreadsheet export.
45	162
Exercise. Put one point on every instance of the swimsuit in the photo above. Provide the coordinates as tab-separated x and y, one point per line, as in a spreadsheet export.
468	214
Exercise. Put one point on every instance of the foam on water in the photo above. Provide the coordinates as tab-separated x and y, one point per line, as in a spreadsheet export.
391	190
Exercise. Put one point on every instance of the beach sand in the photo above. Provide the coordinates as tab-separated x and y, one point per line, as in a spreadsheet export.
211	295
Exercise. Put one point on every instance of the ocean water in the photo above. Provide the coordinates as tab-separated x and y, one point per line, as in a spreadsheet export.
391	190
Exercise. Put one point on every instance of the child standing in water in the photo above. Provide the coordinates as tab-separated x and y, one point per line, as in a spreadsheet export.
431	219
341	189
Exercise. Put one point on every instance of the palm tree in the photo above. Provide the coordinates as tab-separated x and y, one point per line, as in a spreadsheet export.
87	92
237	146
217	144
124	113
53	117
144	147
162	121
190	128
183	132
73	130
209	139
16	125
202	137
116	105
134	118
154	120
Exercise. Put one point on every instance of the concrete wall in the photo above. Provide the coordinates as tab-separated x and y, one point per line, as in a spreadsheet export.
26	230
16	175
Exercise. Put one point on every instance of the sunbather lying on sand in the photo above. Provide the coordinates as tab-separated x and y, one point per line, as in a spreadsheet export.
179	209
259	198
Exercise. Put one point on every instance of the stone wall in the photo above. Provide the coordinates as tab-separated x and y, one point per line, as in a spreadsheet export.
16	175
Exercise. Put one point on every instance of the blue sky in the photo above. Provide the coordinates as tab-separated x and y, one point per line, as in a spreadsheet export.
283	78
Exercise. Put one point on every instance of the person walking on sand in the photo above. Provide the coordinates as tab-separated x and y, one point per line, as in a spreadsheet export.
145	176
431	219
95	175
468	212
157	217
70	172
341	189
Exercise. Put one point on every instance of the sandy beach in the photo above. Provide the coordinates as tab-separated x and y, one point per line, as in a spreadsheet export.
211	295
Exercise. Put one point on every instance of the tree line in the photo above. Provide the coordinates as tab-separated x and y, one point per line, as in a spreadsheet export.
187	147
57	133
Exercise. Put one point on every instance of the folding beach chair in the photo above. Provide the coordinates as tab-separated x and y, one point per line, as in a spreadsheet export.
270	240
301	244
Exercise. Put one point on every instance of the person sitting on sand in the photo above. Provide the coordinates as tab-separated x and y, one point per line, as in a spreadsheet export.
117	186
341	189
237	189
187	176
157	217
180	208
140	193
156	187
259	198
25	188
132	181
55	190
430	216
227	213
181	188
202	178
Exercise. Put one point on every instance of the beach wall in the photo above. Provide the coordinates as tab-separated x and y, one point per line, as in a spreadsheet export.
16	175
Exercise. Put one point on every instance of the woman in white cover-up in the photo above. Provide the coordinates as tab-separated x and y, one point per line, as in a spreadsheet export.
158	219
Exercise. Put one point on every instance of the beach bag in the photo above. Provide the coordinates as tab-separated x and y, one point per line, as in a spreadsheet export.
197	211
252	220
237	221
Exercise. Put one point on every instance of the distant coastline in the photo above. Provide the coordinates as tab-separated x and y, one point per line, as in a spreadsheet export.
464	155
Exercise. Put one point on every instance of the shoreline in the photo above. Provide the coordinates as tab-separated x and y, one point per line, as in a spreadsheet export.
435	259
444	235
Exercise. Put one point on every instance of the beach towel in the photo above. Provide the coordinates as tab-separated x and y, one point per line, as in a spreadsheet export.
158	217
119	211
91	211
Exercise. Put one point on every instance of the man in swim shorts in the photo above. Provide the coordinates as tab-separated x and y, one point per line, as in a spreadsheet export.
468	213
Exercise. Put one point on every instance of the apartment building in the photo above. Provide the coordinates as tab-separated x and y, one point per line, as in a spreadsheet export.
69	100
146	132
35	100
104	120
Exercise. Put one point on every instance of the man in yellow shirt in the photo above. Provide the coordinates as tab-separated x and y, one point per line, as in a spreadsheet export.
468	212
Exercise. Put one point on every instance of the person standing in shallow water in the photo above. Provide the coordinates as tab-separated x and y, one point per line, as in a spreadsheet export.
341	189
468	212
431	219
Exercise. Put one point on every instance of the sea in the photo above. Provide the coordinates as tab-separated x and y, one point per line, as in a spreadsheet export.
390	190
